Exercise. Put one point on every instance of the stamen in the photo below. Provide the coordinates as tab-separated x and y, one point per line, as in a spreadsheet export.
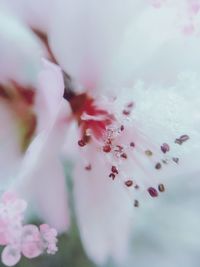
122	127
126	112
165	148
124	155
158	166
130	105
88	167
176	160
137	187
136	203
152	192
149	153
112	175
161	187
182	139
129	183
132	144
114	170
81	143
107	148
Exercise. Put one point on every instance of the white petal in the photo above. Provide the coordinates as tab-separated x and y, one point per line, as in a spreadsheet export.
154	49
104	211
35	13
85	35
20	51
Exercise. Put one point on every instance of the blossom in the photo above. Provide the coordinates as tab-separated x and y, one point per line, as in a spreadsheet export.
131	135
18	71
28	239
30	105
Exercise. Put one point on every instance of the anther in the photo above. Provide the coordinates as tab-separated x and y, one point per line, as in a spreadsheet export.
81	143
158	166
124	155
152	192
165	148
107	148
161	187
132	144
182	139
88	167
149	153
126	112
112	175
129	183
130	105
176	160
136	203
114	170
136	186
122	127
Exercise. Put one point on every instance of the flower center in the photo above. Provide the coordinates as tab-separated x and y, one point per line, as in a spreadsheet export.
129	154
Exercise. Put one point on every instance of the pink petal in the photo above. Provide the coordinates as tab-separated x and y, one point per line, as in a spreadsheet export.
10	255
42	178
49	94
31	242
103	211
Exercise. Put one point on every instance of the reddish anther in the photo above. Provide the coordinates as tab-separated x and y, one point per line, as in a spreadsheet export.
112	175
124	155
126	112
114	170
152	192
165	148
107	148
158	166
88	167
129	183
81	143
132	144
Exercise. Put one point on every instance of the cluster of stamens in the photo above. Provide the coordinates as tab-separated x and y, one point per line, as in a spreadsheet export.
122	152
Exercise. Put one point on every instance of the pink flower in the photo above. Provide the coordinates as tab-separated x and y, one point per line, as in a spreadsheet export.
31	103
22	239
131	135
